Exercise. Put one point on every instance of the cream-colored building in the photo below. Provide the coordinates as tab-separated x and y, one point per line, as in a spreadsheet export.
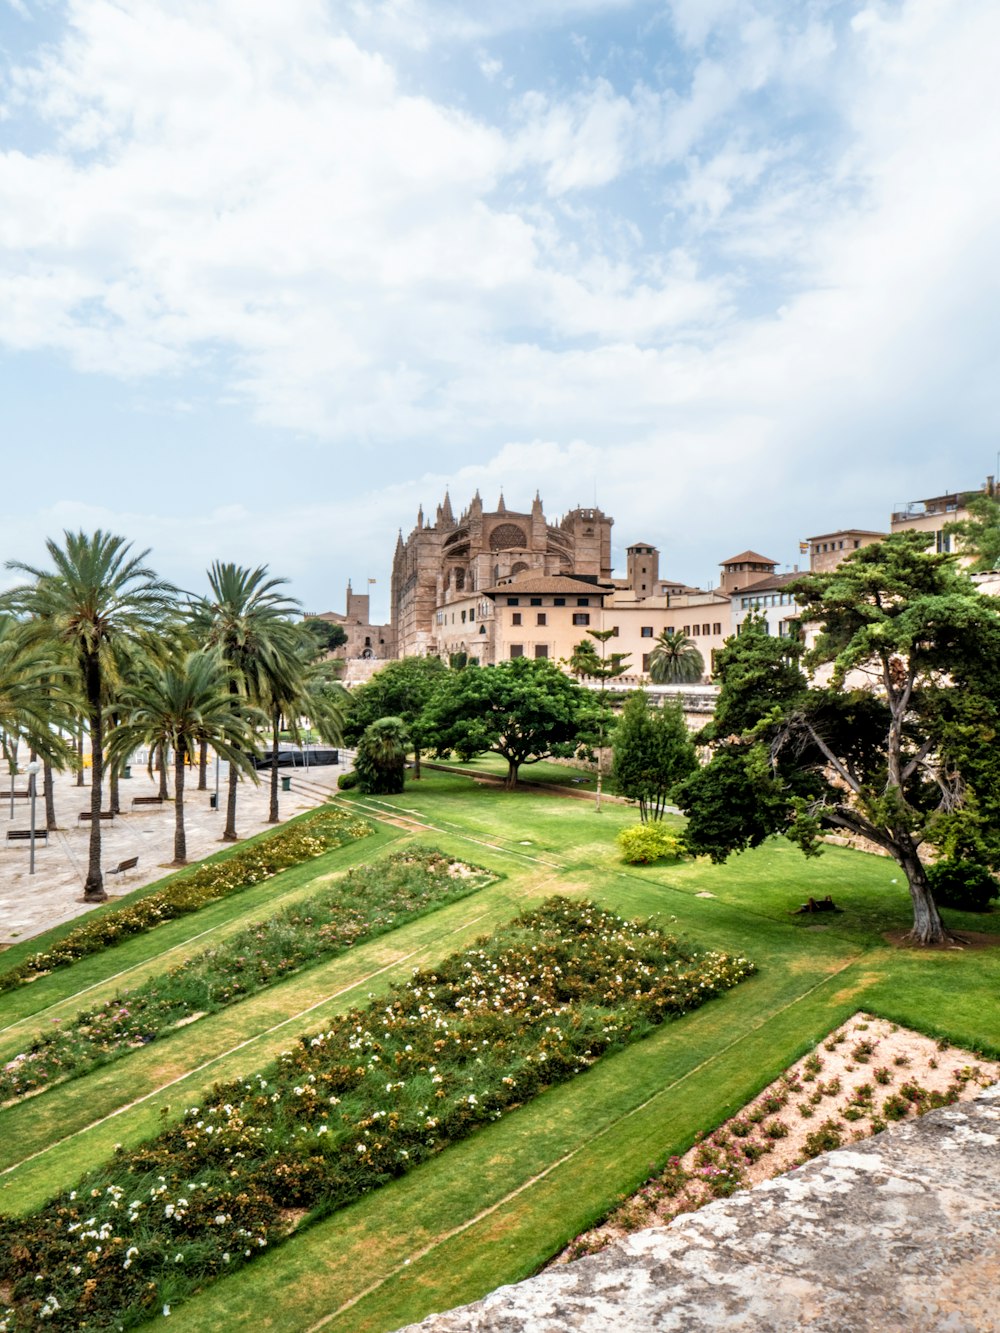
828	549
932	516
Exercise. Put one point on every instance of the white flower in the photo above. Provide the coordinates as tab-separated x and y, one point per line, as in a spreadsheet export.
166	1309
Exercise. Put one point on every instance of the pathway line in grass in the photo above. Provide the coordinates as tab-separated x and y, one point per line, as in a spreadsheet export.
379	809
222	1055
574	1152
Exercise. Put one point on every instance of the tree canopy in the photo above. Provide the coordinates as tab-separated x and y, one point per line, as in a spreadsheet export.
980	533
524	709
894	741
399	689
653	751
675	660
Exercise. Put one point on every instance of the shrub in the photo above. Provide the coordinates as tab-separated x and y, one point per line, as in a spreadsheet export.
644	843
824	1139
380	761
963	885
347	781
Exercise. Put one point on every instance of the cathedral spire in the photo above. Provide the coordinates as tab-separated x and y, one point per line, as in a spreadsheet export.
446	513
420	517
501	507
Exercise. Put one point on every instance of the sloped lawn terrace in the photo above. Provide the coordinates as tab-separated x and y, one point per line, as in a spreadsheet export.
361	905
350	1108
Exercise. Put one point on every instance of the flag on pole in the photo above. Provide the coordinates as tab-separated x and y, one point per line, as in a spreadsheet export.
373	580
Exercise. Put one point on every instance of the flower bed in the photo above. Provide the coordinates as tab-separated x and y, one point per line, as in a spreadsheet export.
367	901
306	839
348	1109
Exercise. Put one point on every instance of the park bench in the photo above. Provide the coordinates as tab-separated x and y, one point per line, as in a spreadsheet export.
24	834
18	795
129	864
147	800
85	815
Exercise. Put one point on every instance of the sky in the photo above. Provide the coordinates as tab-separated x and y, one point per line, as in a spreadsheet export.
272	276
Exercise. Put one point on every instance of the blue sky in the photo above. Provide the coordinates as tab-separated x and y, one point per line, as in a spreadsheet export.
272	276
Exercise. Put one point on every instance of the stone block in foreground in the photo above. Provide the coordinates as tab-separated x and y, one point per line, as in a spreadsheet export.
900	1234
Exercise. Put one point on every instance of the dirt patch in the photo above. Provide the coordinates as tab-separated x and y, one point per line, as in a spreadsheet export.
964	940
866	1074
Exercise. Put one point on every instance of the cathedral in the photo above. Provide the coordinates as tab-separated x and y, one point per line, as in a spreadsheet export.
454	559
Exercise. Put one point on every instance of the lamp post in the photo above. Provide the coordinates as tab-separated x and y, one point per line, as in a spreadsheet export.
33	770
216	779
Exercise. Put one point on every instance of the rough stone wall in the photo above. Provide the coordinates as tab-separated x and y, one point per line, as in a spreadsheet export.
900	1234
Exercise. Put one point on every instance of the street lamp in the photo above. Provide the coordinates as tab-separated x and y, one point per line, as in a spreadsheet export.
33	770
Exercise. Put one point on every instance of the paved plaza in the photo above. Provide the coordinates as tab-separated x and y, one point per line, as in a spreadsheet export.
30	904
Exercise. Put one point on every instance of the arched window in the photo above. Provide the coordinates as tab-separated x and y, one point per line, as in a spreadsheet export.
507	537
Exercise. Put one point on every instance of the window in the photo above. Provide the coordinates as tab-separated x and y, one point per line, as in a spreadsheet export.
541	650
513	601
517	650
686	630
559	601
646	632
472	613
516	618
717	627
541	618
535	601
857	543
706	629
581	618
614	631
695	629
463	617
645	661
583	601
942	542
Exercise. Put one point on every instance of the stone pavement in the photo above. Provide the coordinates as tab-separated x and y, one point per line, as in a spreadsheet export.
30	904
898	1234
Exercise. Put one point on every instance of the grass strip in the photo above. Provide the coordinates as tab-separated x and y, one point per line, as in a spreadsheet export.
349	1109
258	861
361	905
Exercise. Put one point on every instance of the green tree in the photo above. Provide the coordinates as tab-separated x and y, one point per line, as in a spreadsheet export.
399	689
96	595
898	746
249	622
326	635
980	534
675	660
523	709
653	751
34	700
175	706
380	762
602	666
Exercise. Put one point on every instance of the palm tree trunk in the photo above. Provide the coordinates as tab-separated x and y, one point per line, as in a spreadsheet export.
229	832
273	816
203	765
93	889
161	763
114	804
79	755
48	788
180	840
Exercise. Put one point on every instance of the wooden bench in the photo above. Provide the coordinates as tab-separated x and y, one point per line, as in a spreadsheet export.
123	866
85	815
147	800
24	834
18	795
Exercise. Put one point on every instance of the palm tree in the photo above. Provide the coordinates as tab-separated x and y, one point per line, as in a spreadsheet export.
380	761
176	706
97	595
248	622
303	689
34	701
675	660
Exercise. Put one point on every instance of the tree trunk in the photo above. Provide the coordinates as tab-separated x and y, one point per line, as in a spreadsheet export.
273	816
48	788
416	761
93	888
229	832
180	840
79	756
113	798
928	928
510	781
203	766
161	763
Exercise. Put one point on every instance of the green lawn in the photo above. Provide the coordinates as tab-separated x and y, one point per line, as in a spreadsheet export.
492	1208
